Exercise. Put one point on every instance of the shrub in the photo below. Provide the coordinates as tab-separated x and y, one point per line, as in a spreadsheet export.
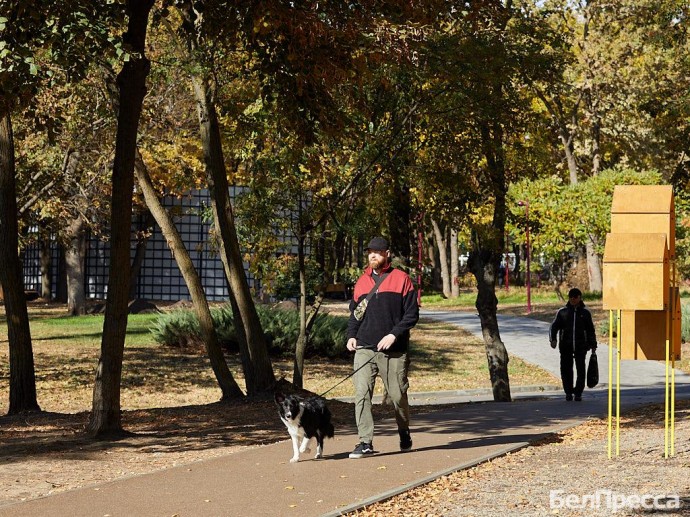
281	328
178	329
181	328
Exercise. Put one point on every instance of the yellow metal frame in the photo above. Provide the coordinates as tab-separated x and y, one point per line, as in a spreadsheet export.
610	427
670	375
618	382
669	389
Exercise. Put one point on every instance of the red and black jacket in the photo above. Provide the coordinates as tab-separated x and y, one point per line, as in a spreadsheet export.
392	310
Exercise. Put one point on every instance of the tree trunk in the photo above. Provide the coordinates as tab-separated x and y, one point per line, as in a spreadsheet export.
484	269
593	265
302	339
105	419
484	260
594	273
46	284
140	252
443	257
569	149
454	264
262	368
245	358
75	253
226	381
61	287
22	374
432	253
399	223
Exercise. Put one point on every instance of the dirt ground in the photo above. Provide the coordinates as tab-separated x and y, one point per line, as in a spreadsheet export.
568	474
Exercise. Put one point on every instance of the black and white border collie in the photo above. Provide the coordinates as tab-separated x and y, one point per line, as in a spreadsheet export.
305	419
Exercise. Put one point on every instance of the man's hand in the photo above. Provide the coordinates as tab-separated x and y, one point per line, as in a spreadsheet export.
386	342
554	344
352	344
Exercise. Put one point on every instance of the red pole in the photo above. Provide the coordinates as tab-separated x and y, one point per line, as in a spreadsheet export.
529	273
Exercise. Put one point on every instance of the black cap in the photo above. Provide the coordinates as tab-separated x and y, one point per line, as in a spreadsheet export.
378	243
574	292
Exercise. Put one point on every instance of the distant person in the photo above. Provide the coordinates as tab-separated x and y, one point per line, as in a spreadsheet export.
383	310
575	330
501	273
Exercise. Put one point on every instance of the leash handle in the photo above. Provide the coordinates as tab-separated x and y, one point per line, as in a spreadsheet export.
354	372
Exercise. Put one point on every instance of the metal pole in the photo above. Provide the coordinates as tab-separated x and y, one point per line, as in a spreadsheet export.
618	384
610	428
420	253
529	271
528	274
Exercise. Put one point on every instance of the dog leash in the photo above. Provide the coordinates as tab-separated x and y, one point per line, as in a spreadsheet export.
354	372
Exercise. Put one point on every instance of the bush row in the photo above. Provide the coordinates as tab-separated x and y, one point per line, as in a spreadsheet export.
281	328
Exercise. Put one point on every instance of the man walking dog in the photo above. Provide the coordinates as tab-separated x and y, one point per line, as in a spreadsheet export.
382	311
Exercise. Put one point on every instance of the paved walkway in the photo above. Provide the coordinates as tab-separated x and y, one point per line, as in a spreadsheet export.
260	481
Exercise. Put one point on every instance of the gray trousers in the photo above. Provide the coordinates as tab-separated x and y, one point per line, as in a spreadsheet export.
392	368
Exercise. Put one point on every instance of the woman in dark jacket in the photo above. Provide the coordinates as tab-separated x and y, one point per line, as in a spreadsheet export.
575	330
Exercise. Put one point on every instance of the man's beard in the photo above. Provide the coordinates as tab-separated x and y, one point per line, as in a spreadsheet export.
377	264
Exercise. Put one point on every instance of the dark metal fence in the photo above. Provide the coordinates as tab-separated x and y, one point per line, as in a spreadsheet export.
159	278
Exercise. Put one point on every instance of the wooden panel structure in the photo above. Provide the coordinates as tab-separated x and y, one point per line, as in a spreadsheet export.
643	333
645	209
636	272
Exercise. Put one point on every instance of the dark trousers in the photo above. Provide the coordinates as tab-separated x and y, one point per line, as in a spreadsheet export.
567	357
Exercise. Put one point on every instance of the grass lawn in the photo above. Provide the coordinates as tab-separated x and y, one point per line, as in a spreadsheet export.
66	351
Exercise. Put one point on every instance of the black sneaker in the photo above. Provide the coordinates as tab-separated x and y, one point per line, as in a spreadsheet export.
405	439
362	449
578	398
568	397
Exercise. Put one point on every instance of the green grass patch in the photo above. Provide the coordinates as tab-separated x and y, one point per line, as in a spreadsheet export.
87	330
512	296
